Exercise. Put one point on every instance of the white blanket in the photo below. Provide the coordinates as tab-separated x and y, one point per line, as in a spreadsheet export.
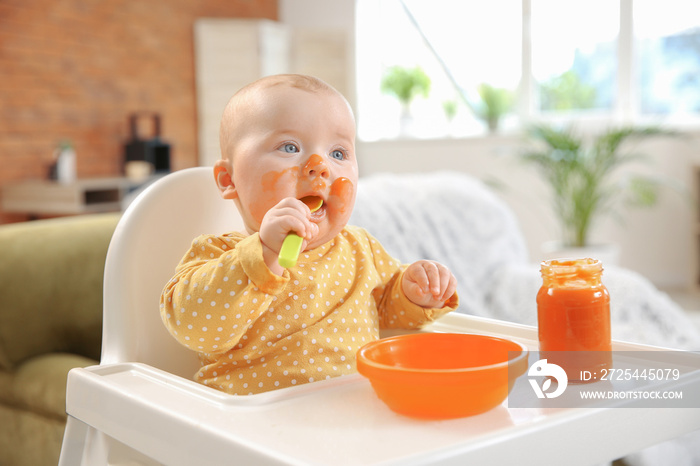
457	220
447	217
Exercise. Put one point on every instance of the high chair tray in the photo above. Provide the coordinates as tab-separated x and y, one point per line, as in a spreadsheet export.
170	420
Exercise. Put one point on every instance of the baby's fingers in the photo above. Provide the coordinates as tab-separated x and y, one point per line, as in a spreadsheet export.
432	271
448	284
418	276
414	291
433	278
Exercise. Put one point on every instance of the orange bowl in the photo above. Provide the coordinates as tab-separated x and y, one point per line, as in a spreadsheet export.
442	375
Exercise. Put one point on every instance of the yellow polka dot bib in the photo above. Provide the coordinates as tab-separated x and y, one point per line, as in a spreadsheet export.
256	331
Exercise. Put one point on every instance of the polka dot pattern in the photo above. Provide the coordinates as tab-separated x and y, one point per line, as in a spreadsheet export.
256	331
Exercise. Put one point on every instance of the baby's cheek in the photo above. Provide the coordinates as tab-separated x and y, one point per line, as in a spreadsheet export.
273	181
274	186
258	212
342	196
258	205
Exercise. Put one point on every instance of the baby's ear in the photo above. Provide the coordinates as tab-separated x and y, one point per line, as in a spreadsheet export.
224	181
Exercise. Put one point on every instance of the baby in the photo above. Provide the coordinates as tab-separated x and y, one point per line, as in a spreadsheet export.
256	325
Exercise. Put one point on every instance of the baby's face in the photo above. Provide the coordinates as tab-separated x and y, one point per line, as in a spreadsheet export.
296	143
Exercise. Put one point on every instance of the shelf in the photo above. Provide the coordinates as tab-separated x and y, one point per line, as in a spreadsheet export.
89	195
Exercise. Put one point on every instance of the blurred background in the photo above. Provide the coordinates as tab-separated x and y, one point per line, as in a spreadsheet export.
120	91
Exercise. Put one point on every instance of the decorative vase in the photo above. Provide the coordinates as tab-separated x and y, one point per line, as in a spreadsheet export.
406	124
65	164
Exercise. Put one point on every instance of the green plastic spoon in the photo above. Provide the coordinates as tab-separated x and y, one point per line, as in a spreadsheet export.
291	247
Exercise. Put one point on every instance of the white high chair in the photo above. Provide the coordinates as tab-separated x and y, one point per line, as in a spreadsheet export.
140	405
149	241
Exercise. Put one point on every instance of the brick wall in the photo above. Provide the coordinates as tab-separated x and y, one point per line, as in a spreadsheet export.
75	69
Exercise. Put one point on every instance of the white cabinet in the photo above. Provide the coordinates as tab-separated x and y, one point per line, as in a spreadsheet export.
230	53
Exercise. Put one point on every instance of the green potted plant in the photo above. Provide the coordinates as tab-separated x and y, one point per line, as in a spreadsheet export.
450	109
494	103
405	84
582	177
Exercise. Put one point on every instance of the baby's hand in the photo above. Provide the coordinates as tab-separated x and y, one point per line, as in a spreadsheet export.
428	284
290	215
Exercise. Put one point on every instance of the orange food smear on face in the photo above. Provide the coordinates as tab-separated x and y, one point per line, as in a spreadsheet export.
314	168
343	190
225	179
267	197
270	179
314	161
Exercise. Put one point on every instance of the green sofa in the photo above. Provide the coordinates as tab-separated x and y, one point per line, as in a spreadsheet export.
50	322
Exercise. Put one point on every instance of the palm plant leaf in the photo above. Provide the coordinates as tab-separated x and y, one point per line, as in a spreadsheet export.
581	178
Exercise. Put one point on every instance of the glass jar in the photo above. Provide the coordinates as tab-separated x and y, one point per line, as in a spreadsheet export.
573	315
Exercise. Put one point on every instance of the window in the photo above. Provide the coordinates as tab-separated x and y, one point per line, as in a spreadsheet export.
477	49
604	60
574	54
668	56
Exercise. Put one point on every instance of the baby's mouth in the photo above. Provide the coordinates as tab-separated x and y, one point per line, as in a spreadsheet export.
315	204
312	202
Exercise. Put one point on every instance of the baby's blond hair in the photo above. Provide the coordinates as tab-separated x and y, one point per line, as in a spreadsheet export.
243	97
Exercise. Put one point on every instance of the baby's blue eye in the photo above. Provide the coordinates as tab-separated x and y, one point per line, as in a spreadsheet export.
338	154
289	148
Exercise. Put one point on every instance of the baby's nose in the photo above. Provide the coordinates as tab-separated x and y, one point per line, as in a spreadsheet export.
315	166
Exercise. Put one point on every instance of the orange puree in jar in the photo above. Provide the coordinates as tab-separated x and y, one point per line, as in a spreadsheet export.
573	314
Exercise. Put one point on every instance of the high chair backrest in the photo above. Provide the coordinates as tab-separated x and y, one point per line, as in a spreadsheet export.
151	238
